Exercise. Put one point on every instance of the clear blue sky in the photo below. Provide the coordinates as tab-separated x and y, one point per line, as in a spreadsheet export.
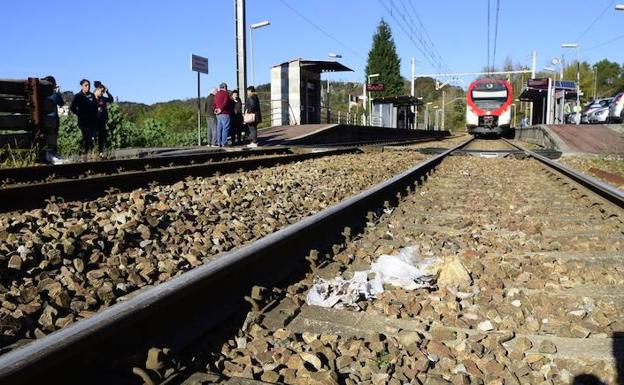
141	49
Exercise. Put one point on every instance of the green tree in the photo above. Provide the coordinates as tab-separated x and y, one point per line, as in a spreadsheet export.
608	78
384	60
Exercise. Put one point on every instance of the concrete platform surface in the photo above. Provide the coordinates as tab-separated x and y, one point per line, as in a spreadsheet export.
589	138
330	134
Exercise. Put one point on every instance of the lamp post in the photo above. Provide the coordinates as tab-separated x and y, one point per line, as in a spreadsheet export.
595	80
251	29
619	7
578	77
333	56
370	102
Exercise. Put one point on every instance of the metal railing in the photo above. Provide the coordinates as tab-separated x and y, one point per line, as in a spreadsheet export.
277	108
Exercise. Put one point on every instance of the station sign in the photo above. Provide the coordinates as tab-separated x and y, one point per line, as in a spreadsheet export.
375	87
199	64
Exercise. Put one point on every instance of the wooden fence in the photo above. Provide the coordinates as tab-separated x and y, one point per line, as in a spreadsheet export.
24	109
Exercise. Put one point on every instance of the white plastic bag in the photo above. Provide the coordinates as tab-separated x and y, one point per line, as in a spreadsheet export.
406	269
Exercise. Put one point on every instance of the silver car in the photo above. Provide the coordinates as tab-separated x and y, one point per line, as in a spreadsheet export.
593	106
616	109
598	116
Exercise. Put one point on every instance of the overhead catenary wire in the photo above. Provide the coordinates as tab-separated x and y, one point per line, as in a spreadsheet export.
423	28
604	43
495	33
590	26
317	27
415	38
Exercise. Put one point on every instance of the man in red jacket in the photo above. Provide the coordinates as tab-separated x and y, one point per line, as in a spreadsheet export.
222	109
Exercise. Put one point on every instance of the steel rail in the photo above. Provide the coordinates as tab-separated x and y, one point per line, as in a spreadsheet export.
73	170
177	312
598	187
29	196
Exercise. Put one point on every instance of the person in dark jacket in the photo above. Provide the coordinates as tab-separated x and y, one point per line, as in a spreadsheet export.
236	118
85	107
102	102
51	135
211	119
252	106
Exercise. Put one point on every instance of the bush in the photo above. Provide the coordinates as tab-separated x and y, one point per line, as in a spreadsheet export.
69	138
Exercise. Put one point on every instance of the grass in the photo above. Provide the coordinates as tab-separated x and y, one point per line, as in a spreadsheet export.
11	157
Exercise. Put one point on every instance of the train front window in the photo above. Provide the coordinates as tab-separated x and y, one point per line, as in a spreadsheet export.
489	103
489	99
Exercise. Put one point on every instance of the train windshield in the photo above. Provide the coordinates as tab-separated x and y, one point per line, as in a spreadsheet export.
489	96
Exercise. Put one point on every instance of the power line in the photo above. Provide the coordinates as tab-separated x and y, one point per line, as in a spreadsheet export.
495	32
605	43
422	26
322	30
419	42
596	20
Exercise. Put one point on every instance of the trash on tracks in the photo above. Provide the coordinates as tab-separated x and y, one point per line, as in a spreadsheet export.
407	269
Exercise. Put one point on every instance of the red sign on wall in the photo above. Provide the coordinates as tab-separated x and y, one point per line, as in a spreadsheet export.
375	87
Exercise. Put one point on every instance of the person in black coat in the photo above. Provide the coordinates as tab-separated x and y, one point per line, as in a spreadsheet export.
252	106
85	107
103	98
236	118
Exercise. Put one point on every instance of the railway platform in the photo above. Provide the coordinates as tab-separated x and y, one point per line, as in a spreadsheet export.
576	139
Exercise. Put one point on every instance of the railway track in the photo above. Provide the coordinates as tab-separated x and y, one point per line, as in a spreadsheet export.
30	187
542	277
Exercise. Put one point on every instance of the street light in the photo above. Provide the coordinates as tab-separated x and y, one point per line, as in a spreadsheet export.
251	29
578	78
619	7
370	102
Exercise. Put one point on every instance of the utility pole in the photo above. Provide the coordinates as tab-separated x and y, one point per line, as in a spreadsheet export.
443	109
414	107
533	65
413	77
241	42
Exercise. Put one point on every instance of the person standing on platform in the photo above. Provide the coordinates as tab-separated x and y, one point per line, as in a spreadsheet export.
252	115
222	109
236	125
102	113
85	107
211	119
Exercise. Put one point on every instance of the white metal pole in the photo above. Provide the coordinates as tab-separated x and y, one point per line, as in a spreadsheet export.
253	75
443	110
241	54
533	65
578	84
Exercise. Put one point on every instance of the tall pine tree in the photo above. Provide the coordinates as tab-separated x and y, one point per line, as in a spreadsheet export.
383	59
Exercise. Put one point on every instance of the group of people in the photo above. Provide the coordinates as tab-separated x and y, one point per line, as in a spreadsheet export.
92	112
226	117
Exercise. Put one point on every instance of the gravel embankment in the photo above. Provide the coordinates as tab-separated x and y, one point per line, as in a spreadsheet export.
534	296
68	260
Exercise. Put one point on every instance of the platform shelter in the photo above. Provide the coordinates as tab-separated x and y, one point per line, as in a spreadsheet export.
296	90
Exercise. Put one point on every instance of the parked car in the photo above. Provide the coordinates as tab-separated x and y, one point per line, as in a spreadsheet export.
598	115
616	108
593	106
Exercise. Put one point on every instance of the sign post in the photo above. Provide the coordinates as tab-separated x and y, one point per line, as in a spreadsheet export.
199	64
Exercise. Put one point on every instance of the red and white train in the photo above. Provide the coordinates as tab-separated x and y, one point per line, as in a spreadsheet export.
488	107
